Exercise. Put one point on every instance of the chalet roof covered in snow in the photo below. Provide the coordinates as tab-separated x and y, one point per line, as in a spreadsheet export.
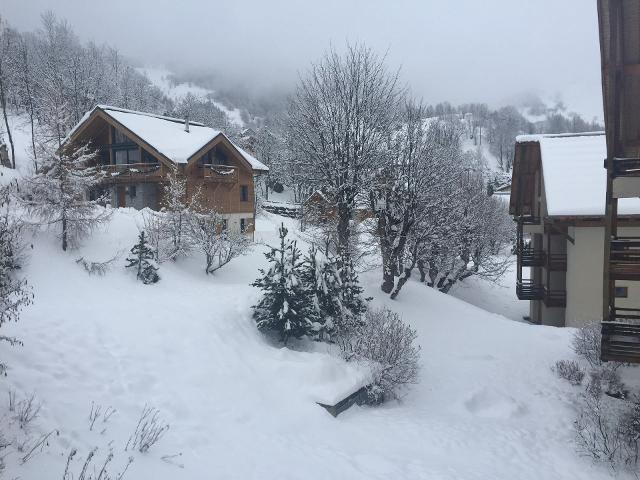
574	176
167	135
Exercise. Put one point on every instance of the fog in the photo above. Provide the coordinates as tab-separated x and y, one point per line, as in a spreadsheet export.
469	50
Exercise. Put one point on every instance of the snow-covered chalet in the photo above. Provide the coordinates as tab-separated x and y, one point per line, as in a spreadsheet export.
139	150
558	201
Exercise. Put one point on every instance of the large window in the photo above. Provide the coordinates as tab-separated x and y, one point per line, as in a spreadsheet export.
127	156
215	156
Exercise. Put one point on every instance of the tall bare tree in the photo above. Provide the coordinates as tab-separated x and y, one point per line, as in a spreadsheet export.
340	119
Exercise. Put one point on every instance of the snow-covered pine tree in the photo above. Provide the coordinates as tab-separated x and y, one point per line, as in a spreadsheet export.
142	260
286	306
351	295
321	276
59	192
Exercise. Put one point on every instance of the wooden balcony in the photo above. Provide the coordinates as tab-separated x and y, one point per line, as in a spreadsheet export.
626	167
555	298
528	219
220	173
625	258
132	172
531	257
557	262
621	340
528	290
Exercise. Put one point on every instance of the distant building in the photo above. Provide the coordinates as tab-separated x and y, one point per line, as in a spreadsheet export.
139	150
558	201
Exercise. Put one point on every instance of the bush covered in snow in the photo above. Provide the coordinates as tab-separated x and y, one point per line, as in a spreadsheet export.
15	294
388	344
569	370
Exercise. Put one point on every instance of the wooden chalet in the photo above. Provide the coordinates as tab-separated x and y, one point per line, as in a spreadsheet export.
138	151
558	202
619	25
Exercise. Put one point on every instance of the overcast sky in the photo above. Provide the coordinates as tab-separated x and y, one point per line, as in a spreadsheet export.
465	50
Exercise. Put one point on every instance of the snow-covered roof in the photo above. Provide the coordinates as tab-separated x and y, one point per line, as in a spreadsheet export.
167	135
575	180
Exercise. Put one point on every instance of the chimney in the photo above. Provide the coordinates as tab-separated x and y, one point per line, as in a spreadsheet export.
186	124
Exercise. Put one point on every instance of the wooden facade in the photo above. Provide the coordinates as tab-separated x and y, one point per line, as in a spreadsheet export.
619	26
136	172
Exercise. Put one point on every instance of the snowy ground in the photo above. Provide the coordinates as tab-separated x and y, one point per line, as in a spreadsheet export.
241	407
487	406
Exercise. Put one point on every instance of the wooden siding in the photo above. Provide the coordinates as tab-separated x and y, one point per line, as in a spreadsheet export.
219	191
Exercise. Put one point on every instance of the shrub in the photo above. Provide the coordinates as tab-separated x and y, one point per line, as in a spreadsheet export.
277	187
387	343
569	370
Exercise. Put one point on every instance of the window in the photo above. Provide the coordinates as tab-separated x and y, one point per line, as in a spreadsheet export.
205	159
622	292
132	191
243	225
148	158
127	156
224	224
244	193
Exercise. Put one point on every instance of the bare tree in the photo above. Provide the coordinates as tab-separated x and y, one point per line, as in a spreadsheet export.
339	122
179	209
7	77
219	244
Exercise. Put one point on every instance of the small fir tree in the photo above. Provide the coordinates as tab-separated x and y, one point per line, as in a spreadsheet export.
321	276
353	303
142	260
286	306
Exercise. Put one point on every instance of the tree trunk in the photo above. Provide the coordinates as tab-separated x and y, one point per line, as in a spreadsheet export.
344	217
3	103
64	233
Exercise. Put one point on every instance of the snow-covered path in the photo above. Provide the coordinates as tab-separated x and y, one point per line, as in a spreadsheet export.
240	407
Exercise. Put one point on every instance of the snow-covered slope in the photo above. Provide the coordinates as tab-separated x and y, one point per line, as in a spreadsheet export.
161	78
239	406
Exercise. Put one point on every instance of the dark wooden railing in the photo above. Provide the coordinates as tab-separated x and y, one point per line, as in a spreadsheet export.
625	258
620	342
531	257
530	220
528	290
220	173
626	167
129	170
555	298
557	262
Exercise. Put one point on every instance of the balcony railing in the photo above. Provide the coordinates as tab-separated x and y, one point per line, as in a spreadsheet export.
132	170
531	257
529	290
557	262
625	258
621	341
220	173
626	167
555	298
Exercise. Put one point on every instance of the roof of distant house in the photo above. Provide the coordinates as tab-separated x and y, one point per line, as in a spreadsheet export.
575	180
167	134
